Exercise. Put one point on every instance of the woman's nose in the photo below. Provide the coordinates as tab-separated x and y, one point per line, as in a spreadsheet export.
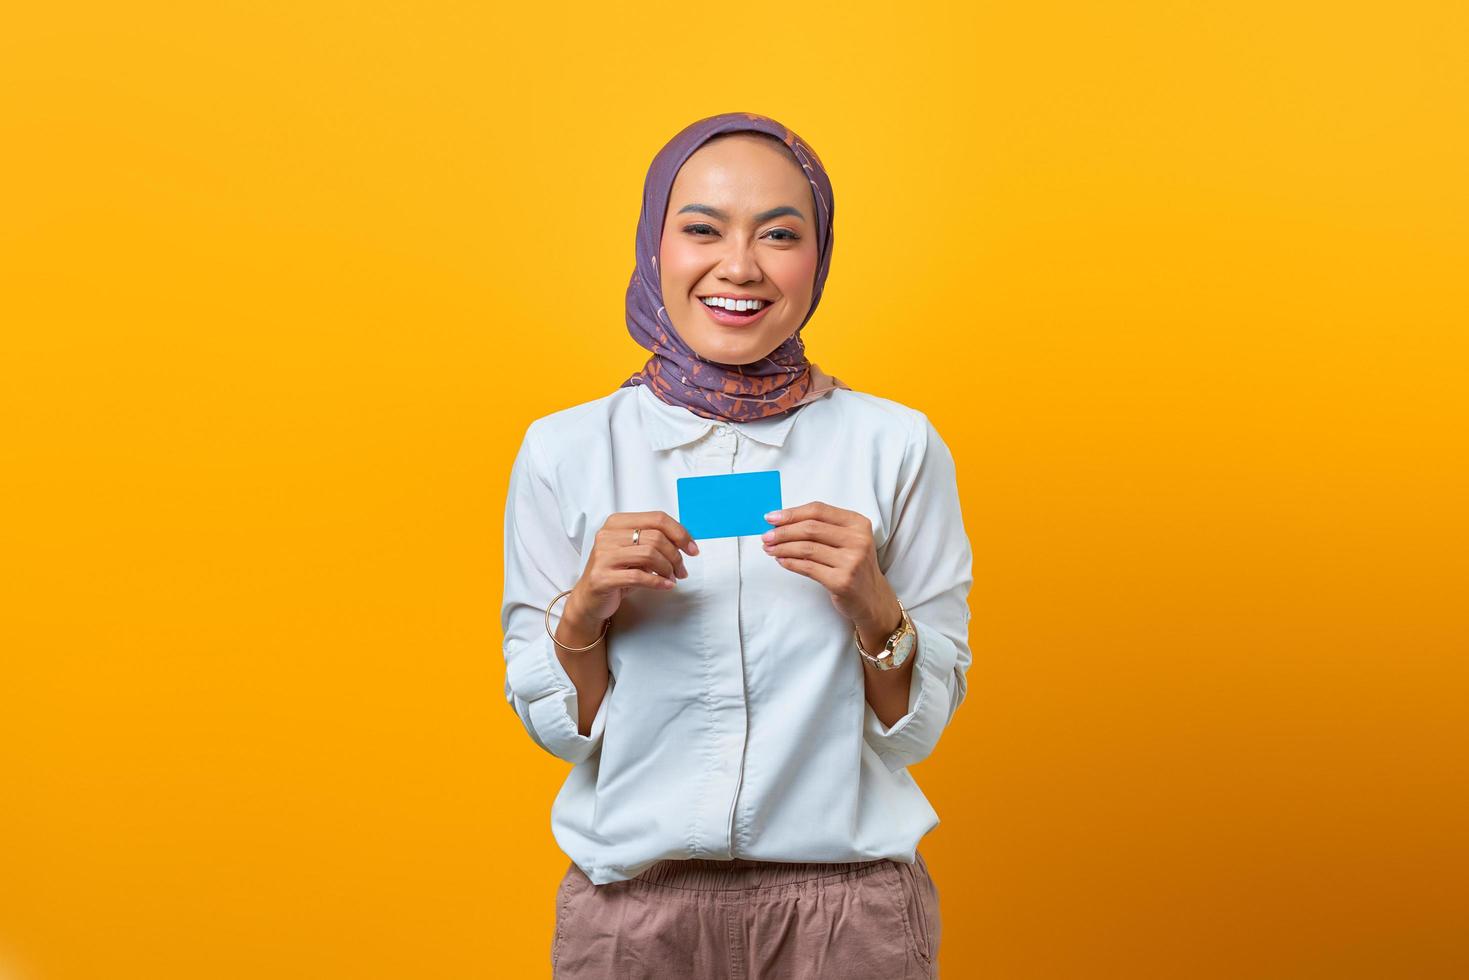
738	263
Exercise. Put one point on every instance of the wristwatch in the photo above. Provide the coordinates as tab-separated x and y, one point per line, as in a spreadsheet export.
897	649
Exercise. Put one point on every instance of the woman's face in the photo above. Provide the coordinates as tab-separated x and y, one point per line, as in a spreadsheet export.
740	224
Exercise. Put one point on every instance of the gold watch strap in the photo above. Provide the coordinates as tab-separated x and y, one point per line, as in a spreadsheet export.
885	655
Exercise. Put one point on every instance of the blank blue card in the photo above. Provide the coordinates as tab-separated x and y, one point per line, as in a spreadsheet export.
728	505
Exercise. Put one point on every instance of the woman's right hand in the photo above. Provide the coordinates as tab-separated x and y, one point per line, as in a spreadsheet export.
617	565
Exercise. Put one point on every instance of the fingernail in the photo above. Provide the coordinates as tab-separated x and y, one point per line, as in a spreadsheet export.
775	515
769	535
693	547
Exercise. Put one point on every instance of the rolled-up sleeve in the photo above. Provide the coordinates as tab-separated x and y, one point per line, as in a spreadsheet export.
540	561
929	564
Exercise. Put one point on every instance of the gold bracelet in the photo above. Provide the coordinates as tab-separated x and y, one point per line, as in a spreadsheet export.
606	625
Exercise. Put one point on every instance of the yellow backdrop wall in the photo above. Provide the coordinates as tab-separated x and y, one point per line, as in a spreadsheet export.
1181	284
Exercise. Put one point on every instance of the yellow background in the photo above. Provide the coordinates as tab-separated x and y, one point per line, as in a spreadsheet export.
1181	284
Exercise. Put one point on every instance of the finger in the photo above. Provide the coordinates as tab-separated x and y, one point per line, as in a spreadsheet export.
643	556
620	537
639	578
660	519
658	539
809	550
676	532
812	530
820	511
824	574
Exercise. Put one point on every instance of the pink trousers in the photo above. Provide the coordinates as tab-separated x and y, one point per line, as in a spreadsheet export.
749	920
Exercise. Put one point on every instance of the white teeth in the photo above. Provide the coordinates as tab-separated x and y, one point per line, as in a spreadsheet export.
738	305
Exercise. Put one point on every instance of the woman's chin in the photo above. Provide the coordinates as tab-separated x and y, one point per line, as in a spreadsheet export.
731	355
735	351
728	346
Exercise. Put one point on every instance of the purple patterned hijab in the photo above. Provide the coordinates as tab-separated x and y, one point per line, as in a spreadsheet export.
675	373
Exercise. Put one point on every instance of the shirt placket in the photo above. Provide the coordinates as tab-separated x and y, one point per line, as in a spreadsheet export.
724	664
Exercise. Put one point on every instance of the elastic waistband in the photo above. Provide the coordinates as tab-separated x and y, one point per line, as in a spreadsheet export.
700	874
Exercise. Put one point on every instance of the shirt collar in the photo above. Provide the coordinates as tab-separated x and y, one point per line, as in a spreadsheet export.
668	426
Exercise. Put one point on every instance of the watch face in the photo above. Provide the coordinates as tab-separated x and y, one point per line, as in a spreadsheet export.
903	649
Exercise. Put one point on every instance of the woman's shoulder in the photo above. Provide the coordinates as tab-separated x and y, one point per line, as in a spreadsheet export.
571	430
575	416
885	418
876	406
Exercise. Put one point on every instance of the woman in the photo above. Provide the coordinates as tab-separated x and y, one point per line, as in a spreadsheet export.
740	712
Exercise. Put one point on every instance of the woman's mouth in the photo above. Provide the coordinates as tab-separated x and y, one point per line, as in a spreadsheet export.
730	318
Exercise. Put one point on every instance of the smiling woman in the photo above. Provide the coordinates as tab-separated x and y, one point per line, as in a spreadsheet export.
736	208
741	250
740	714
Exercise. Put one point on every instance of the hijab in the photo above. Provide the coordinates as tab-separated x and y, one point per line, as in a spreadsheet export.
776	383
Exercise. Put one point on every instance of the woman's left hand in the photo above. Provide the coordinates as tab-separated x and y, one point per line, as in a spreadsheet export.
834	547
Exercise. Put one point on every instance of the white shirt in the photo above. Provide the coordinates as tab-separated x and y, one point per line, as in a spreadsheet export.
735	722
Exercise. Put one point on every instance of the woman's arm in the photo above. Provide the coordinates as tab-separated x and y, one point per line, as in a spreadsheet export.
887	690
542	683
586	668
927	562
561	694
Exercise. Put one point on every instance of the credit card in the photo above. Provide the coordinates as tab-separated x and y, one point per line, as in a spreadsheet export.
728	505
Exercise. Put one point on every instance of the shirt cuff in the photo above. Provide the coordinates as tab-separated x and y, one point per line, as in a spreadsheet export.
912	737
546	700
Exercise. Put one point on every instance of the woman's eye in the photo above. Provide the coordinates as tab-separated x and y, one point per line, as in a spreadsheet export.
778	234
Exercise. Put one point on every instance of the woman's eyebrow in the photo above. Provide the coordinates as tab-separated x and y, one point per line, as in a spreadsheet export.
762	216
